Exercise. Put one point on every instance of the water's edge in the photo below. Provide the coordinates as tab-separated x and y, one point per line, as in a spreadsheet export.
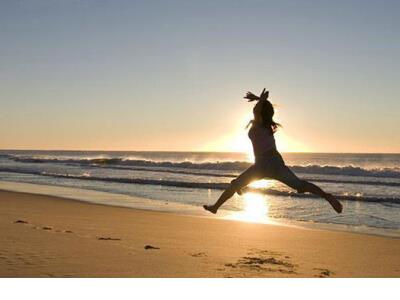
126	201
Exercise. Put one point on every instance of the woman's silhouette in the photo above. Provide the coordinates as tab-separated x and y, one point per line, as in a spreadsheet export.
268	161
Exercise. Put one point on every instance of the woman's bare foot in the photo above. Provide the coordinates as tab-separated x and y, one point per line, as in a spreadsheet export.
337	206
239	192
210	208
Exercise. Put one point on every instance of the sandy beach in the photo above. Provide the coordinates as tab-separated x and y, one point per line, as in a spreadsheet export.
44	236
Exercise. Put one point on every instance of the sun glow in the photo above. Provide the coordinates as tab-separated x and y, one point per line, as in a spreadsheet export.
237	140
285	143
241	143
263	183
255	209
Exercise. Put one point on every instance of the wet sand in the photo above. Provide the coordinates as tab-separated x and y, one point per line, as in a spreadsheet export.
45	236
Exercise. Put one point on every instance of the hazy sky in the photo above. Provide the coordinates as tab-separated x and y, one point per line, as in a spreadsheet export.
170	75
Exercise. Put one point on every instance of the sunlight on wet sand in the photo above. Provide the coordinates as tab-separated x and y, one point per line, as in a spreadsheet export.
255	209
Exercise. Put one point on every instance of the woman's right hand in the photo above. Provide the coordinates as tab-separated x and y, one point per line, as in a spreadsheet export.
264	95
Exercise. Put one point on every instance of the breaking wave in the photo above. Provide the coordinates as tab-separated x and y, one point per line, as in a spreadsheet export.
195	185
235	166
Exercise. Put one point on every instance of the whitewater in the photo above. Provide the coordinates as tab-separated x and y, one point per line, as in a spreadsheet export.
368	184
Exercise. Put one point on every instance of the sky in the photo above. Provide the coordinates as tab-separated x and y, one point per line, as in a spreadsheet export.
171	75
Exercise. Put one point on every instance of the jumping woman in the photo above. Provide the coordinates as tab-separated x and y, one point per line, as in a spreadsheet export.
268	161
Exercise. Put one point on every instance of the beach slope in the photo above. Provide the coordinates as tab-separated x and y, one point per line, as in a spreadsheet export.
44	236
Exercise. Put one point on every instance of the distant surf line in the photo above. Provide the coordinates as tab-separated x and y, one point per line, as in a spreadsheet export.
202	185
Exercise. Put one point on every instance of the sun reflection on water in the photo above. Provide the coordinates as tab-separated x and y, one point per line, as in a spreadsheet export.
263	183
255	209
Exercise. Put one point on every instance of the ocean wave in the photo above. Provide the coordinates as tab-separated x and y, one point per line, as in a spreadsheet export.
219	186
214	166
199	185
227	165
348	171
231	175
204	173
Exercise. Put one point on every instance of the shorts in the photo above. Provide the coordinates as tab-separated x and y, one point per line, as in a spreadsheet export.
269	167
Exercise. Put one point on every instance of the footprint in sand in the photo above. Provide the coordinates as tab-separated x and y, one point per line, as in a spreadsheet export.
49	228
323	273
264	261
20	222
42	227
108	239
150	247
199	254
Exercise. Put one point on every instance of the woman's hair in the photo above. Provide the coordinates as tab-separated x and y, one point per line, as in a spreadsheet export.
266	112
264	109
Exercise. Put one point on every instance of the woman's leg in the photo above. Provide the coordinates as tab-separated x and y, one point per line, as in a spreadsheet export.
227	194
289	178
314	189
236	185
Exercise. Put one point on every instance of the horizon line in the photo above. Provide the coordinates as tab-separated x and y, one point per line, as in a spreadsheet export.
192	151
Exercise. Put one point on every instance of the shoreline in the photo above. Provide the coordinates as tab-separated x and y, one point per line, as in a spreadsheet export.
70	238
139	203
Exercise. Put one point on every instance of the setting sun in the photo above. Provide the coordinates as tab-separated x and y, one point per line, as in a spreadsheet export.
241	143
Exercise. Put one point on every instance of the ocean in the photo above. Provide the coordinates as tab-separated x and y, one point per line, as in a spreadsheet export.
368	185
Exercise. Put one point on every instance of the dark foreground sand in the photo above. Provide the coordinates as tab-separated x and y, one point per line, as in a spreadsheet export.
43	236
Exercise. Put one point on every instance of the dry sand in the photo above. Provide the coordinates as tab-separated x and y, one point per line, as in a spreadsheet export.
66	238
